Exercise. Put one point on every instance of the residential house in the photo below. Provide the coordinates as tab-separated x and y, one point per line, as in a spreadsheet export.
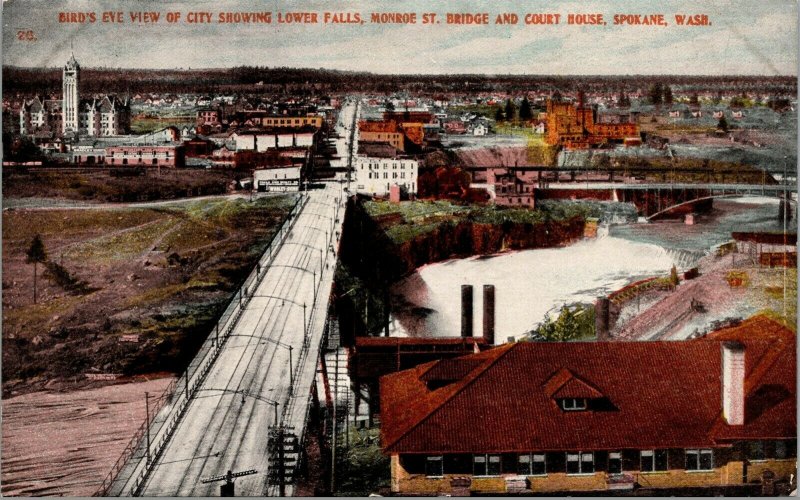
542	417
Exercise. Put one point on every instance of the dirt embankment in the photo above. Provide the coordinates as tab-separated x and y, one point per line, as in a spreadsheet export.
123	291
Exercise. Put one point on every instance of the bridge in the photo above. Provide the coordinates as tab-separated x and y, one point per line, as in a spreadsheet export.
255	372
666	197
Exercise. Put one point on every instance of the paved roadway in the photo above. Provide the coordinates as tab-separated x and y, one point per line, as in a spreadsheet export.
226	424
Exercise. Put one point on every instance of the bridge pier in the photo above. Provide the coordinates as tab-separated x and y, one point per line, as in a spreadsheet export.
784	210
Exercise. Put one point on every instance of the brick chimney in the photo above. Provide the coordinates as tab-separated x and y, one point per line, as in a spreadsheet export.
733	382
466	311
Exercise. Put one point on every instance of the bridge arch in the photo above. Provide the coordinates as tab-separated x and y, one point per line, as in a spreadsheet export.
784	197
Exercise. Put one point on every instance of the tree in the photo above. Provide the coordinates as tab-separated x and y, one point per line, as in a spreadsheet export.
498	114
510	109
667	95
388	105
525	113
673	276
656	93
694	100
722	124
623	101
35	255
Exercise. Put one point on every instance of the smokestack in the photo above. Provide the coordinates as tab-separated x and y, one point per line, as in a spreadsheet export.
601	318
488	314
733	382
466	311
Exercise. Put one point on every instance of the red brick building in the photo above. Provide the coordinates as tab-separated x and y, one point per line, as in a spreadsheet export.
578	126
596	416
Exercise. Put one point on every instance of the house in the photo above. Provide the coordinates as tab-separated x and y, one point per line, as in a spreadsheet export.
541	417
479	129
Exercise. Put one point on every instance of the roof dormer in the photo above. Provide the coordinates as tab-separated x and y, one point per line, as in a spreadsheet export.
574	394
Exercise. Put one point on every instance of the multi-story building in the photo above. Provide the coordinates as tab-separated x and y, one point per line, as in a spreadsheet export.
538	417
381	131
578	126
103	117
96	117
40	115
376	176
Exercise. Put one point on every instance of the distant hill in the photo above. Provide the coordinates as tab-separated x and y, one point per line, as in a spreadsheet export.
299	81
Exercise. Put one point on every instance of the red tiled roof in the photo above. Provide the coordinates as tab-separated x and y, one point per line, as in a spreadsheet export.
662	394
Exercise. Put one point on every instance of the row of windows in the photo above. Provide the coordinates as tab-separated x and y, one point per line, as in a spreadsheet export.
376	175
372	166
581	462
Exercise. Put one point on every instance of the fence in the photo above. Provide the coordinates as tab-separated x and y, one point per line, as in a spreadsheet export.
168	409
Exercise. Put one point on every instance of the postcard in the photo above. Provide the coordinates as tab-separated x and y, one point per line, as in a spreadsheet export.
407	248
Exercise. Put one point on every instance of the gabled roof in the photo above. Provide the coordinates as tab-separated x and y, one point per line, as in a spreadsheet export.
564	384
662	394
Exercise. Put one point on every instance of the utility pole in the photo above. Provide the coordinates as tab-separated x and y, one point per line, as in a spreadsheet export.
227	489
147	422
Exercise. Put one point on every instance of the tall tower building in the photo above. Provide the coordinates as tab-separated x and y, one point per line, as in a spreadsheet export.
70	92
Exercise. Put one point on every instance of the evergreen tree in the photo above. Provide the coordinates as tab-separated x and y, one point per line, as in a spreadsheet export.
667	95
36	254
656	93
623	101
694	100
525	113
510	109
722	124
498	114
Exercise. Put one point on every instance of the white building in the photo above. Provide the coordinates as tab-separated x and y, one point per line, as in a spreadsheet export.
375	176
70	95
96	117
263	141
279	179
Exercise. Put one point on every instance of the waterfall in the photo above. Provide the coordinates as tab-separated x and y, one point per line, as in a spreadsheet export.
684	258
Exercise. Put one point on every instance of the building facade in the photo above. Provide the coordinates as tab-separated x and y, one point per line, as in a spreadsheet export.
97	117
579	126
70	96
538	417
376	176
280	179
165	155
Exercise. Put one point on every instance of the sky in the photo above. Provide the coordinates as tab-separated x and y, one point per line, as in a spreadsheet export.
745	37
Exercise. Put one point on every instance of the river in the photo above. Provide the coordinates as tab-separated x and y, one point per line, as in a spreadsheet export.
530	283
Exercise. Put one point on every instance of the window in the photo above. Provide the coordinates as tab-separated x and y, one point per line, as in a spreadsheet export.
699	460
756	451
615	463
531	464
571	404
580	463
654	460
486	465
433	466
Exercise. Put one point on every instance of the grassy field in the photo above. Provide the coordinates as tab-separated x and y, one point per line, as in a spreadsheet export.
162	273
405	220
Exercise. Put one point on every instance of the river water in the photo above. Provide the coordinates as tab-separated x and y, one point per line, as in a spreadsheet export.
530	283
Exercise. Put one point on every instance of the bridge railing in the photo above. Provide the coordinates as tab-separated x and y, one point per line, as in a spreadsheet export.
168	408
